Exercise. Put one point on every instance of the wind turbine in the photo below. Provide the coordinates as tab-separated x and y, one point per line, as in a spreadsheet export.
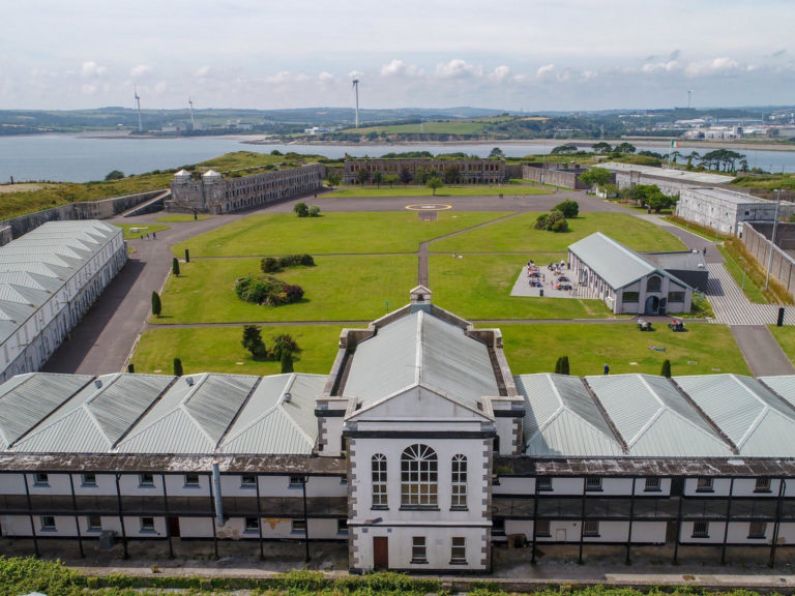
138	105
190	109
356	95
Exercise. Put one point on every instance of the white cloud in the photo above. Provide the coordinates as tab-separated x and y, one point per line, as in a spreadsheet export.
285	77
711	67
325	77
458	69
545	71
88	89
140	71
356	74
398	68
92	70
500	73
202	72
653	67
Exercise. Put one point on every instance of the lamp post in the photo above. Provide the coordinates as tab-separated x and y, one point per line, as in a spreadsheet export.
772	239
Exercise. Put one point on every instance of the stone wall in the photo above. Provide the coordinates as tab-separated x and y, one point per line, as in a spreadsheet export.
755	238
17	226
469	171
563	177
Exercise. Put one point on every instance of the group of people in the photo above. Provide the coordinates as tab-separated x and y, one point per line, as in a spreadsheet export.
537	277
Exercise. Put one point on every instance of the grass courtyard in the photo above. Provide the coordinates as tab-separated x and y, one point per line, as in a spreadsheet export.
414	190
785	336
133	231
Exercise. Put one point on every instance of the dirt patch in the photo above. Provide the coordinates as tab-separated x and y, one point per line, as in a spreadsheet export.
22	187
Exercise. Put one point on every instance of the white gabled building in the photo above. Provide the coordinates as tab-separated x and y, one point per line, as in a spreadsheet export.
420	451
49	278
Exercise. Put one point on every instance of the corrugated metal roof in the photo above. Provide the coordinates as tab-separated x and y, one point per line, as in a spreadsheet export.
612	261
783	385
421	349
562	419
654	419
756	420
679	175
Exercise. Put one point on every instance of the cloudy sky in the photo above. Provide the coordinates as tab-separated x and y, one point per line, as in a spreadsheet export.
531	54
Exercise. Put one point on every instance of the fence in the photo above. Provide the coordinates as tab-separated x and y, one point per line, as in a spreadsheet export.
782	267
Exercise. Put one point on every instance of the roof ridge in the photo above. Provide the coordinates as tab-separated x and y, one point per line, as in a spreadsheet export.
622	442
418	346
765	410
238	411
710	422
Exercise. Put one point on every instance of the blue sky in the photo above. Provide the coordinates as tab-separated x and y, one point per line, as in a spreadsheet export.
531	55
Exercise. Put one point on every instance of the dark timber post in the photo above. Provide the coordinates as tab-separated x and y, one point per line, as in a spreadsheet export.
165	512
535	521
679	522
77	518
777	522
628	560
582	520
30	516
212	513
259	521
726	525
121	517
306	521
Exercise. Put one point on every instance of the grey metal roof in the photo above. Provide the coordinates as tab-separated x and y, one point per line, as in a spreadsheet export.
655	419
756	420
561	418
682	260
421	349
615	263
783	385
678	175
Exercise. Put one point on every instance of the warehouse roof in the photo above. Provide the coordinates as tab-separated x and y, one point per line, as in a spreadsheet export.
733	197
613	262
38	264
678	175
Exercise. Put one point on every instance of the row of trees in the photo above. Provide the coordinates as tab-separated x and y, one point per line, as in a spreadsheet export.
562	367
284	348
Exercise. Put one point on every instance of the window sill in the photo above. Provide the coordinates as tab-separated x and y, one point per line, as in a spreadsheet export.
146	486
419	561
543	535
48	530
147	532
652	490
757	537
594	490
419	508
458	562
591	535
705	490
700	536
763	492
88	486
379	508
459	508
191	486
41	485
247	487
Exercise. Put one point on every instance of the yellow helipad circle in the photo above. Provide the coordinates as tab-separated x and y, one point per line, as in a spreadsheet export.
429	207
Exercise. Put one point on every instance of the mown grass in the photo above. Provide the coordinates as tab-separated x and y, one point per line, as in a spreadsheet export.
517	234
360	232
218	349
415	190
785	336
703	231
182	217
704	348
337	288
135	231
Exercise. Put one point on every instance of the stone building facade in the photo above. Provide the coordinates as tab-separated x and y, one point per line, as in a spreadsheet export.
556	176
463	171
214	193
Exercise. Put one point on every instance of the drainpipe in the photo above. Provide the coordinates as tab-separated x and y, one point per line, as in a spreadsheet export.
217	497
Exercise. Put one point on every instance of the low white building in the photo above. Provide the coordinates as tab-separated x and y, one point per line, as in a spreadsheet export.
625	280
420	451
669	180
48	280
725	210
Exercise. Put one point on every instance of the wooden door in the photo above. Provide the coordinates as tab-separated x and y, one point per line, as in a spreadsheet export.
380	553
173	527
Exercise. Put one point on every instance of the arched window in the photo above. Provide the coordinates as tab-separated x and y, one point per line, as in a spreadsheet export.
418	477
378	466
653	284
459	482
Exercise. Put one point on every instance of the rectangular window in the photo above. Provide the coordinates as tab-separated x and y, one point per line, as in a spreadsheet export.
676	296
342	526
459	483
593	484
191	480
146	480
762	485
298	526
378	471
296	481
147	525
498	526
458	550
88	479
47	523
544	484
701	529
590	528
419	553
704	485
248	481
252	525
542	528
652	485
630	297
41	479
94	523
757	530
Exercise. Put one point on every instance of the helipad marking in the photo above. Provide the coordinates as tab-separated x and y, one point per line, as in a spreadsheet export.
429	207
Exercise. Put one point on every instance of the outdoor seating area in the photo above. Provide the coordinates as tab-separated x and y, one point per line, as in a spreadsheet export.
675	325
552	281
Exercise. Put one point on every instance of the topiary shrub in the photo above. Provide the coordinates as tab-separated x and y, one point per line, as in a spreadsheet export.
267	290
270	265
568	208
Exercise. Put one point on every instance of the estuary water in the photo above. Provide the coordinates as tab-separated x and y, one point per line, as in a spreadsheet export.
80	159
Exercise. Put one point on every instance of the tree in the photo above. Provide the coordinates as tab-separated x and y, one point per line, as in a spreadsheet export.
596	177
562	365
175	266
568	148
115	175
270	265
452	175
252	341
666	369
177	367
405	175
378	178
284	344
554	221
156	305
496	153
301	209
287	362
390	179
657	200
131	368
602	147
363	176
434	183
314	211
568	208
332	179
625	148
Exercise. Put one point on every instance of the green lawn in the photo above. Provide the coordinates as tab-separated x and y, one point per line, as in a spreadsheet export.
218	349
479	287
133	231
786	339
518	235
284	233
182	217
337	288
472	190
703	349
